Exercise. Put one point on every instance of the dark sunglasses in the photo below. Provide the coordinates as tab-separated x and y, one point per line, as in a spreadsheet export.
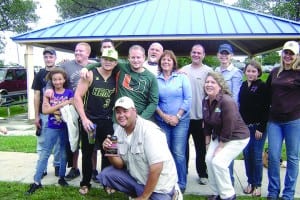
288	52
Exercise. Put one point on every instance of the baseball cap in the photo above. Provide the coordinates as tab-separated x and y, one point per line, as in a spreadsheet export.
292	46
124	102
225	47
110	53
49	50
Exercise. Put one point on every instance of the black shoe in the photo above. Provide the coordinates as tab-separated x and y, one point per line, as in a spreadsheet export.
272	198
62	182
94	176
182	190
73	173
213	197
33	188
44	174
56	171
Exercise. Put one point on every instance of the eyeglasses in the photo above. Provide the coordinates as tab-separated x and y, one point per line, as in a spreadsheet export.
288	52
224	53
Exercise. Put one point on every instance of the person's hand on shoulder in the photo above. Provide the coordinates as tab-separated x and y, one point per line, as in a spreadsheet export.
84	73
49	93
63	61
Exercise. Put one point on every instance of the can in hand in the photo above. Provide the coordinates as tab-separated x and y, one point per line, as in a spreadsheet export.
92	134
113	149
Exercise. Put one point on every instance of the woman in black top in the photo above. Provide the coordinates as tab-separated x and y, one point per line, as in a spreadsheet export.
254	109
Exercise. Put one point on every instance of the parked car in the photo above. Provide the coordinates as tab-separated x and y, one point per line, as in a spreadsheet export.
13	80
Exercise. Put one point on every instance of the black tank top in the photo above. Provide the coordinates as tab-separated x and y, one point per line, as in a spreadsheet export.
100	97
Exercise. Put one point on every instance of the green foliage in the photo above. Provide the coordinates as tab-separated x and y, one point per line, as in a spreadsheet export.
211	61
68	9
287	9
270	58
182	61
16	14
254	5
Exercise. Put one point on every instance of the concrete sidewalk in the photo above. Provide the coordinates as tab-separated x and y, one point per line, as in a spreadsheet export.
20	167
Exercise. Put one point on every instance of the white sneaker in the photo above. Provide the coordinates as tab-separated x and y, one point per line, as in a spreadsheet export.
177	194
203	181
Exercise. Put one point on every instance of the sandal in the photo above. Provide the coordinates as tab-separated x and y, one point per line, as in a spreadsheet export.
109	190
256	192
249	189
84	190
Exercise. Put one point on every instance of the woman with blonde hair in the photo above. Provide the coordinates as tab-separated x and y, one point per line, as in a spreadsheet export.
284	121
226	135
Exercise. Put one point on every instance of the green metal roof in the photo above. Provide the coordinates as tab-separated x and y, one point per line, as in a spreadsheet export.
177	24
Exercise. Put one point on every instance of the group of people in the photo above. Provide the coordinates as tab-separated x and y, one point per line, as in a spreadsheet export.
153	106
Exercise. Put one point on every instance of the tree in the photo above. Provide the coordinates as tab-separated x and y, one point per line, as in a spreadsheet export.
15	15
68	9
270	58
289	9
255	5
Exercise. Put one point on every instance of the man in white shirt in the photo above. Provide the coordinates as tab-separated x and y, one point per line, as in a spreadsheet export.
140	171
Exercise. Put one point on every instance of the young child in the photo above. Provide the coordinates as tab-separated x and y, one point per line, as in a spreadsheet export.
56	128
254	111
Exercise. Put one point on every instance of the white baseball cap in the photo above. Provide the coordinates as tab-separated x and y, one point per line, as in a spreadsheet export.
292	46
124	102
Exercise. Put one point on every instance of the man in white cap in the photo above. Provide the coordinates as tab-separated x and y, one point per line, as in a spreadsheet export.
98	92
143	172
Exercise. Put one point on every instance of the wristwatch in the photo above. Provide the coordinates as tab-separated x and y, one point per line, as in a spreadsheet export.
178	116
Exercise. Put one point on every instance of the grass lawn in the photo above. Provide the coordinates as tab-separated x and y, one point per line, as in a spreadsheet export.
27	144
14	110
15	191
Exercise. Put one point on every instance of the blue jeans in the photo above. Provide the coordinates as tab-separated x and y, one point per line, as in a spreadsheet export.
51	136
41	140
277	132
253	157
177	142
121	180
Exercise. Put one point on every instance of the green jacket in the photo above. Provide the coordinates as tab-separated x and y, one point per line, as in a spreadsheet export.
141	87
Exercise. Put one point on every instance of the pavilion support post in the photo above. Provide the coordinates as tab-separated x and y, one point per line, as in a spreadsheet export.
29	63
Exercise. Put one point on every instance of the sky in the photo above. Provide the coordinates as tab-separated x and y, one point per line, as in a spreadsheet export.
47	12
